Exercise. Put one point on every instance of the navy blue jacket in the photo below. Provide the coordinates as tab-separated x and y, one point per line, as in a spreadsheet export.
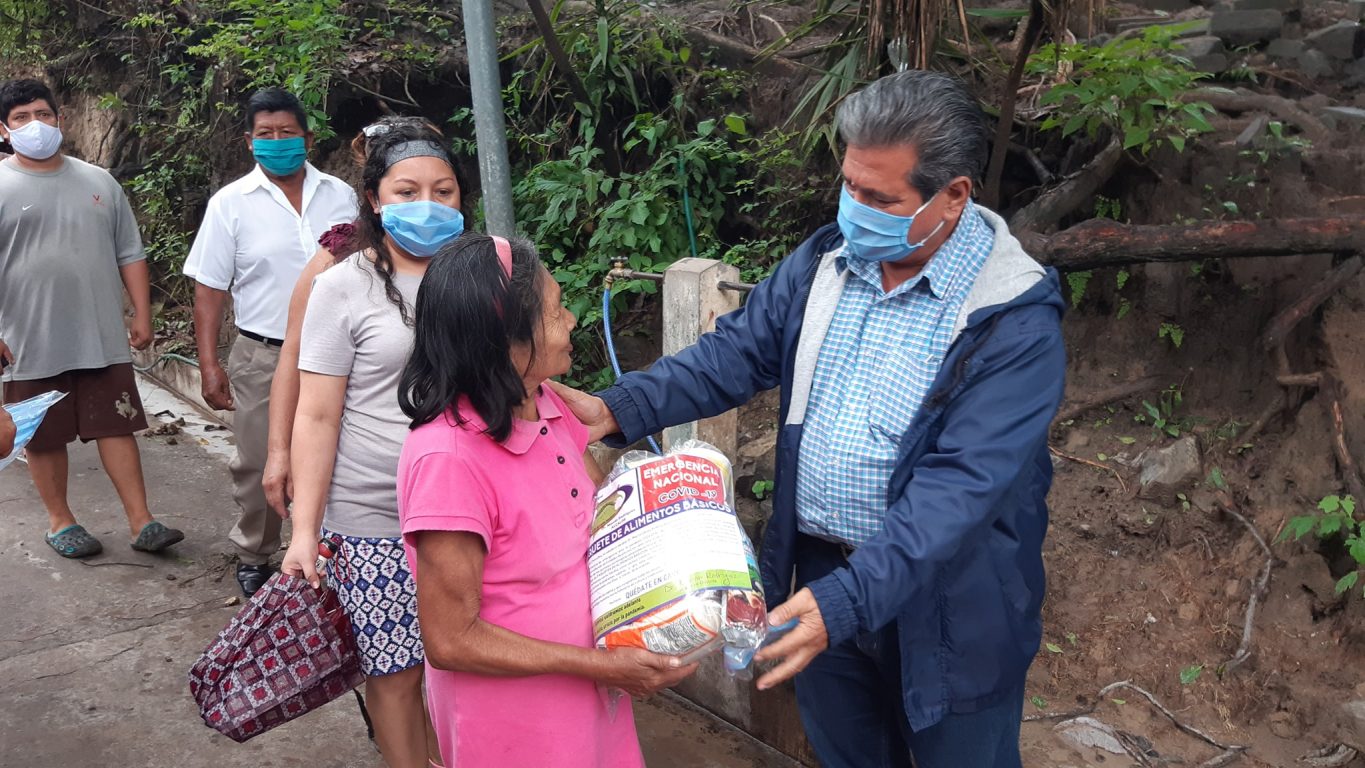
959	564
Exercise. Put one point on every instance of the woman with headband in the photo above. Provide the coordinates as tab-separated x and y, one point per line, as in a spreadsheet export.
335	244
348	429
495	497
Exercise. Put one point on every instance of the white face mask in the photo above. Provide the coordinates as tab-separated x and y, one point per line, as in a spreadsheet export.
36	139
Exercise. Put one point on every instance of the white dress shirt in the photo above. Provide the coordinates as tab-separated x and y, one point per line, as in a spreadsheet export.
254	242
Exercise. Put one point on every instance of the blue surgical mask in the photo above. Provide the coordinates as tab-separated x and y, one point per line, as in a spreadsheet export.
421	227
874	235
281	157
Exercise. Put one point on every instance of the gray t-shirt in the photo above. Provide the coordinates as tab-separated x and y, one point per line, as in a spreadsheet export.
63	237
352	329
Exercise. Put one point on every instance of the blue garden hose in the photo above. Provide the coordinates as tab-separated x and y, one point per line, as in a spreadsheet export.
611	348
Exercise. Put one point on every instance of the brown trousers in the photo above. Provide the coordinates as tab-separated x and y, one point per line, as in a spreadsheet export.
251	367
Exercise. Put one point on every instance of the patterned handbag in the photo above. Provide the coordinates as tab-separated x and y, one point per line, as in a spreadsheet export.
287	652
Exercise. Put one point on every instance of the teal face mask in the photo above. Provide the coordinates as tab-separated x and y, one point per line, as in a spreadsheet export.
280	157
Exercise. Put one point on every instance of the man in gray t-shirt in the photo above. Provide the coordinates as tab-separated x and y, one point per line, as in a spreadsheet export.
69	246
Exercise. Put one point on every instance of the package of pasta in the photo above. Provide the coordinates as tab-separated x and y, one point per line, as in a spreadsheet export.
670	566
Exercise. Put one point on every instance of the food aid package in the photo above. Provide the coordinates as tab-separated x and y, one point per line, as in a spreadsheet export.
670	567
28	415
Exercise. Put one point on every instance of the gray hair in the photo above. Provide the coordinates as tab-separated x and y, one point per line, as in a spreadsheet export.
930	111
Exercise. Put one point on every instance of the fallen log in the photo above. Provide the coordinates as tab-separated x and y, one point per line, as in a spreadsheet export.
1104	243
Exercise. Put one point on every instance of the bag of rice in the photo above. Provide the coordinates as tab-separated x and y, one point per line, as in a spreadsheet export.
670	567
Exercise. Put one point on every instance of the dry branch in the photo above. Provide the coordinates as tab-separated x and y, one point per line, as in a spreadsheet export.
1087	462
1102	243
1070	194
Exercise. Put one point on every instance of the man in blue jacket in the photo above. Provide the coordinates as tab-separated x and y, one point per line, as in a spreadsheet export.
920	356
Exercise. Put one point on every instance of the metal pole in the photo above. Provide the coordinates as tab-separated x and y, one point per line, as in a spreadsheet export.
486	85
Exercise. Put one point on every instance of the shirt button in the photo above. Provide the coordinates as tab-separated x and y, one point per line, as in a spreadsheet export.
544	430
559	459
574	493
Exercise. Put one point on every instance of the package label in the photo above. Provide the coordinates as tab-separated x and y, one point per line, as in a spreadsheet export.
665	531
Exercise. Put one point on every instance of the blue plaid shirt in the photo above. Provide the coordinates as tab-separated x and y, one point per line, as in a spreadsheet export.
878	360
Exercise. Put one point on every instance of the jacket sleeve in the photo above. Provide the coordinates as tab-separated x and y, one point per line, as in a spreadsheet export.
992	430
723	370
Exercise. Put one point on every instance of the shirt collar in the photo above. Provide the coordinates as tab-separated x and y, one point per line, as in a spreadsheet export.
524	433
938	274
258	180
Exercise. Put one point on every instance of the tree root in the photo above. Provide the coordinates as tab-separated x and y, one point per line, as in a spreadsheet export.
1189	729
1258	592
1054	203
1278	329
1243	100
1329	390
1105	397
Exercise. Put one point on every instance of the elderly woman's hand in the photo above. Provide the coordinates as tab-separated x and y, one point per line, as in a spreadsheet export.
641	673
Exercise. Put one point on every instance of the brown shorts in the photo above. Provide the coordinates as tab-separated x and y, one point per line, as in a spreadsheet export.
102	402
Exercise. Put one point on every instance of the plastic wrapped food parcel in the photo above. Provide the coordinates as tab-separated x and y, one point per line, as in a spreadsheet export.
670	566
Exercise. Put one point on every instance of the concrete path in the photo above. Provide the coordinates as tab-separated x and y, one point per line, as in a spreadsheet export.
94	653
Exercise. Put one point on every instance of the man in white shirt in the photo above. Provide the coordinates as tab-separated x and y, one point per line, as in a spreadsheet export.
257	235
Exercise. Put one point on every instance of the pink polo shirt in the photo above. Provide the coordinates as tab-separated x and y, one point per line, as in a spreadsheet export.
530	500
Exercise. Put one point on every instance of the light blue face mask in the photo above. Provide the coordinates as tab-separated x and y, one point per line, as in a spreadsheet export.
874	235
421	227
280	157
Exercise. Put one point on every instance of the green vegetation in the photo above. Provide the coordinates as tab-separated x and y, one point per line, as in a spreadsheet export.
659	164
1334	521
1131	86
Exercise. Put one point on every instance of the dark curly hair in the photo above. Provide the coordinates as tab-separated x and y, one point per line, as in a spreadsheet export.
369	224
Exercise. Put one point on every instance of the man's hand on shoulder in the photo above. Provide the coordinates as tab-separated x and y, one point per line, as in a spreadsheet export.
590	410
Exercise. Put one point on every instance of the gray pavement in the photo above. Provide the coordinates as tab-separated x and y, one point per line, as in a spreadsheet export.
94	653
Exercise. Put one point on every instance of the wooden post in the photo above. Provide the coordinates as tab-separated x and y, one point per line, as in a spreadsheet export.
693	300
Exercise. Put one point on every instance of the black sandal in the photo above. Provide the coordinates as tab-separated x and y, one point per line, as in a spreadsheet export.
155	537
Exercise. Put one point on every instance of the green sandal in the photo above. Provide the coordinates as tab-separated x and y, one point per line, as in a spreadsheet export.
74	541
155	537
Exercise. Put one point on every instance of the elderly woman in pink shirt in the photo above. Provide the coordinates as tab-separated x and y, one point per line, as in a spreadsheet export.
495	502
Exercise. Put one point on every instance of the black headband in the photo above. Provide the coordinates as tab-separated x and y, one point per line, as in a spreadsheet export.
414	148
